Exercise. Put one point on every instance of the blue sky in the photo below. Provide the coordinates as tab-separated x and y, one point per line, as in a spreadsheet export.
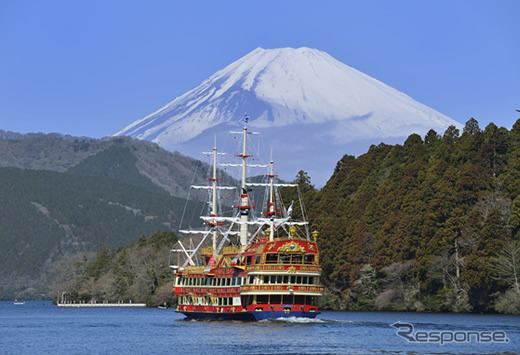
89	68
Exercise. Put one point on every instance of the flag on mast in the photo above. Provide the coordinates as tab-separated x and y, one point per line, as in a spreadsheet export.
289	210
246	118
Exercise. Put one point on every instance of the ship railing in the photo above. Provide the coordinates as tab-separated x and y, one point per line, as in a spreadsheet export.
284	267
275	288
231	249
207	251
193	270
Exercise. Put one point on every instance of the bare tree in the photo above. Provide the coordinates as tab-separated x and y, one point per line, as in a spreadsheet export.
507	265
399	286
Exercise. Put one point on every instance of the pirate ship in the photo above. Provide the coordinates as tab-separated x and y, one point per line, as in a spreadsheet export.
248	265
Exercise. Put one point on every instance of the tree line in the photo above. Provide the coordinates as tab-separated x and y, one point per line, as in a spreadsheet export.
430	225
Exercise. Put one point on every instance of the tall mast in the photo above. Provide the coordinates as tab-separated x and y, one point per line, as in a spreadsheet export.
271	200
244	196
214	200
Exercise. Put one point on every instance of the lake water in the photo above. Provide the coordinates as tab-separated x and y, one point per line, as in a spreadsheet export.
40	327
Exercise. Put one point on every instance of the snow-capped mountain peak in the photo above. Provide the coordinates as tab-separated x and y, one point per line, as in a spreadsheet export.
303	89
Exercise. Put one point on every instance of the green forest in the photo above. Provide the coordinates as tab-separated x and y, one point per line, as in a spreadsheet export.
137	273
430	225
46	216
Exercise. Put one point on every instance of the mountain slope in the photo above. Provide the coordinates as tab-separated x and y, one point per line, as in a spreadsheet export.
142	160
63	195
290	92
45	216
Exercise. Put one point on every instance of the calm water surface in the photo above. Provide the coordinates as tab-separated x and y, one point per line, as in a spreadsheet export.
39	327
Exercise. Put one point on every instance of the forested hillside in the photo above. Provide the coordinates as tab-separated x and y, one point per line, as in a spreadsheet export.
63	195
45	216
431	225
138	272
172	172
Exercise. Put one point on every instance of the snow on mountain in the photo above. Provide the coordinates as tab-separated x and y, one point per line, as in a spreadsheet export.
305	103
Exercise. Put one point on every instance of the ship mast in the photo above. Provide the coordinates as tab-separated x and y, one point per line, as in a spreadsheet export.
214	199
244	195
271	199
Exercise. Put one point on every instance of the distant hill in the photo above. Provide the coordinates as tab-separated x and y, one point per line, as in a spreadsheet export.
172	172
62	195
47	215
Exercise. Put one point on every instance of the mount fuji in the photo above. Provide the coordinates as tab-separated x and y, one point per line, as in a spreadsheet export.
311	108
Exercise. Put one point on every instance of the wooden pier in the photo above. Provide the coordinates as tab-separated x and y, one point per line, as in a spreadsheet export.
84	305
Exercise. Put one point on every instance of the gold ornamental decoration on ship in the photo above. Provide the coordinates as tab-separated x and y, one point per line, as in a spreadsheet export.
291	247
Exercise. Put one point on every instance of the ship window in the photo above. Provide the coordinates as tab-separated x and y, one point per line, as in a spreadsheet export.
291	279
239	281
305	280
298	279
261	299
287	299
266	279
257	261
208	281
285	258
271	258
248	260
299	299
285	279
233	281
309	259
228	281
311	300
311	280
279	279
251	279
297	259
276	299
